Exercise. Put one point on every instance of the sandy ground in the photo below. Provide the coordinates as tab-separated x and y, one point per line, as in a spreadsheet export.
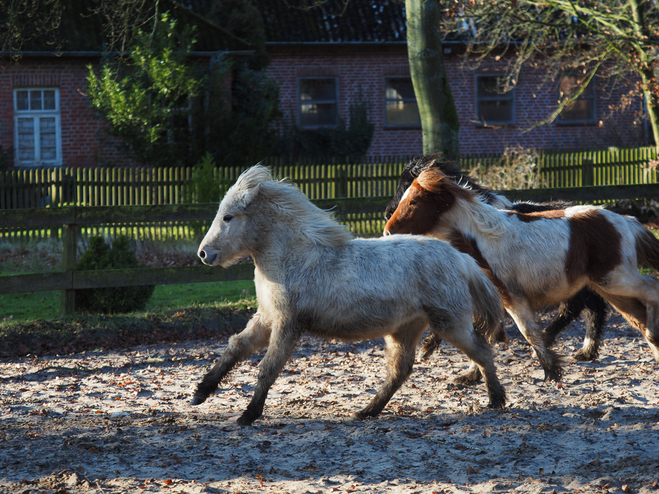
120	421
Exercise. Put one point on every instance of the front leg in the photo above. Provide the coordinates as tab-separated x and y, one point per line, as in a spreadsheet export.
253	338
282	343
525	319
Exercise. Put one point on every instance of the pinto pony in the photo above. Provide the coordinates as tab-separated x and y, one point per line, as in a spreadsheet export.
542	258
585	302
311	276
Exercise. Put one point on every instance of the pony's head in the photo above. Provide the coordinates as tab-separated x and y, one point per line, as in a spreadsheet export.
431	195
232	232
413	169
257	208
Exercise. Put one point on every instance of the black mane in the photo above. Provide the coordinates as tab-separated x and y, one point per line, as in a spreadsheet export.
452	169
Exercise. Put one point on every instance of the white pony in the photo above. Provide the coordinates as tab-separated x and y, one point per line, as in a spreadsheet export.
542	258
312	276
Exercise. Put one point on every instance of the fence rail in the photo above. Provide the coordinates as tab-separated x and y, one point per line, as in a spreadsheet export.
376	178
72	219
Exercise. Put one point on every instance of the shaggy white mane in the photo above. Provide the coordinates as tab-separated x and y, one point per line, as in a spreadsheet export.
310	221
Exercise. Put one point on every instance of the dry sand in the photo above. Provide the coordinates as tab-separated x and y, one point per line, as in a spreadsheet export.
120	421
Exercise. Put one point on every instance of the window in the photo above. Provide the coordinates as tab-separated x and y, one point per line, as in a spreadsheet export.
400	104
583	109
493	105
37	127
317	102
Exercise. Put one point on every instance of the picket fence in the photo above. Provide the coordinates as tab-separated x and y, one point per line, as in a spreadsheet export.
374	178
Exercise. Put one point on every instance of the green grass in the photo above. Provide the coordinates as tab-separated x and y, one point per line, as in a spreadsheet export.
45	305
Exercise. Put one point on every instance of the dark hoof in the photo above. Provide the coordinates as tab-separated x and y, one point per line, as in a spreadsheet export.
467	379
246	419
197	400
498	404
553	375
364	414
584	356
455	386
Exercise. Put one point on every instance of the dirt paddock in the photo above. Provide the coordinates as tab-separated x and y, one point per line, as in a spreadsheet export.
120	421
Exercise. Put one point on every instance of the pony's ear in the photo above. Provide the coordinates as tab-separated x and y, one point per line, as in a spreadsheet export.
432	180
250	195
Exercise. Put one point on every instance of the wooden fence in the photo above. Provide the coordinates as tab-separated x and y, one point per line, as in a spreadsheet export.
376	178
72	219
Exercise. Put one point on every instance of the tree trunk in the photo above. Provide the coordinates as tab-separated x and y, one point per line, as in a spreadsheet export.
646	70
439	117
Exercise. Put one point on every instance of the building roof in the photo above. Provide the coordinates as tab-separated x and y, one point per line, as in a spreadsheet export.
334	21
80	29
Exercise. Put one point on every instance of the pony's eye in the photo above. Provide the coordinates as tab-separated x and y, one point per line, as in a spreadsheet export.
412	203
227	218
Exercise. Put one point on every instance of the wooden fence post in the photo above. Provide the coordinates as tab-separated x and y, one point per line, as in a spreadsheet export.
587	173
70	242
341	181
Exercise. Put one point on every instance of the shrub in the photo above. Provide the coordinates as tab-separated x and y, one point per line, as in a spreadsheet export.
517	169
119	255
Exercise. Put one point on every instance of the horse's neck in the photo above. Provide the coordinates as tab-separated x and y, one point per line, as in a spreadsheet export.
478	219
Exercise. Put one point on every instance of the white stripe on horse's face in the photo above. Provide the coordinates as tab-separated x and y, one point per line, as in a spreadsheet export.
407	192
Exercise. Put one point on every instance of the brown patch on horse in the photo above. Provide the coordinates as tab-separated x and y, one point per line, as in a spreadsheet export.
431	194
469	246
538	215
594	247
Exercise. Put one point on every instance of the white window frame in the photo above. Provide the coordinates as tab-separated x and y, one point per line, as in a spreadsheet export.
507	96
398	101
36	115
301	102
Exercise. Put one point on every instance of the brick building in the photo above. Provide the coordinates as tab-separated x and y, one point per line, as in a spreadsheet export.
323	59
338	51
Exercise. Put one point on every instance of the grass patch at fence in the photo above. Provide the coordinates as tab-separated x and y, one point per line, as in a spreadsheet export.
24	307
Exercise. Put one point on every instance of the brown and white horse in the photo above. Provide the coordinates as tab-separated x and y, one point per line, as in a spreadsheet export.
543	258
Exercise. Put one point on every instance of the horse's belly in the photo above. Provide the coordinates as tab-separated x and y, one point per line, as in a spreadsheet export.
355	327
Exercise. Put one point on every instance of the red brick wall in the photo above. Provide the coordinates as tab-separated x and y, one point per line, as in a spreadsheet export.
85	141
365	68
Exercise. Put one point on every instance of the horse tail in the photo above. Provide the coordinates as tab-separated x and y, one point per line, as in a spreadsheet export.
488	307
647	248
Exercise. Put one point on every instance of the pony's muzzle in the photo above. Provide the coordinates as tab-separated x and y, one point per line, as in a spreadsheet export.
207	257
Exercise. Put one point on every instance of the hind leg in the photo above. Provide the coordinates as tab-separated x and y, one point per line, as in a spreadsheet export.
636	297
253	338
461	334
568	311
401	349
643	317
525	319
429	345
480	353
595	316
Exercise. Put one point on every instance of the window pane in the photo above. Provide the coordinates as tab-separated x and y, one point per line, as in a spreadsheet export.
21	101
579	110
317	89
47	134
583	109
318	114
490	86
49	99
495	111
400	88
403	113
26	139
35	100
